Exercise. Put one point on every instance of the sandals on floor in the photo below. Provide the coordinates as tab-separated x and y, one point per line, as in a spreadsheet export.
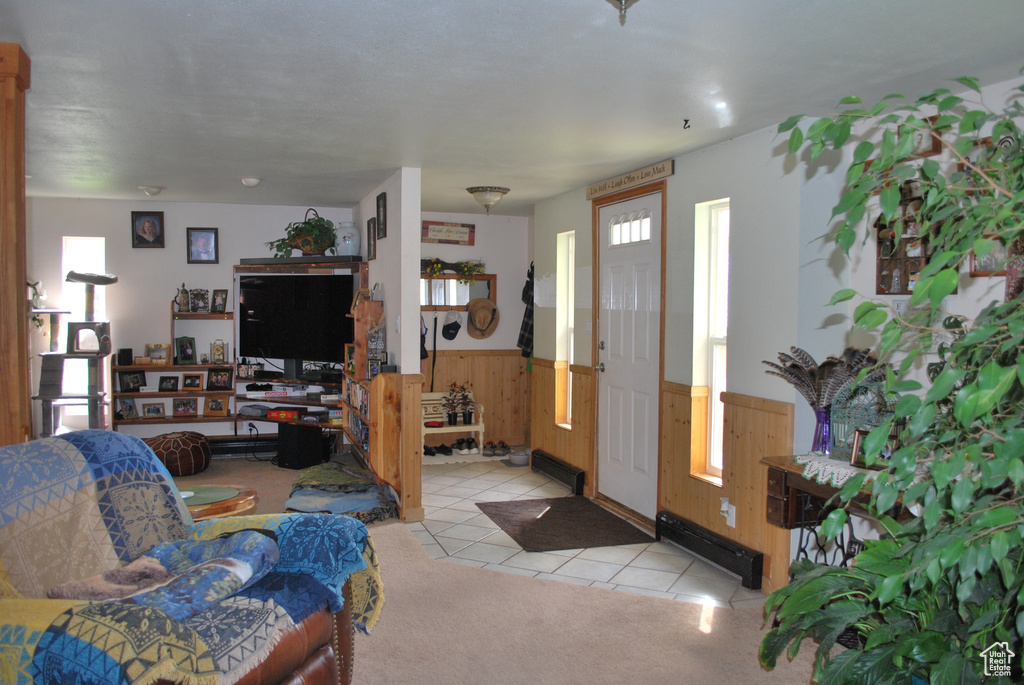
501	449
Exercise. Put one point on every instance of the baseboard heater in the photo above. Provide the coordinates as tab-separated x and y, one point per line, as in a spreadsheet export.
241	446
734	557
554	467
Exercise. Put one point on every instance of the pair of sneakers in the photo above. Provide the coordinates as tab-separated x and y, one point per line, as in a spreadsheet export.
466	446
496	450
429	451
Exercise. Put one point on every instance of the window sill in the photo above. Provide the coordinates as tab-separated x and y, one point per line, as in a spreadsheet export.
564	426
707	478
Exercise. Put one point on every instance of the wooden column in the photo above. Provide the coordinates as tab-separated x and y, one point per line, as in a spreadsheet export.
15	390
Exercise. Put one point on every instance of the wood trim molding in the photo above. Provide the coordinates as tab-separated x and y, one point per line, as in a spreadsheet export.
757	403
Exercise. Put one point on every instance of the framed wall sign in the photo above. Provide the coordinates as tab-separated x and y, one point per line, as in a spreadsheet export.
448	233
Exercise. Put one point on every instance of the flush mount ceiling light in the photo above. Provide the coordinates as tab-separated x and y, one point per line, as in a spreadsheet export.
622	6
151	190
488	196
250	181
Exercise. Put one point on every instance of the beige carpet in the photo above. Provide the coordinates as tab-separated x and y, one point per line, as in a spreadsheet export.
445	623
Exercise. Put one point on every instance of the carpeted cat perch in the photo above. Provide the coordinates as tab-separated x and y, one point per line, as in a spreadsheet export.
334	488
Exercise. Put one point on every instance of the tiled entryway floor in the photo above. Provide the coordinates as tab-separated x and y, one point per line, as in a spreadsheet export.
455	530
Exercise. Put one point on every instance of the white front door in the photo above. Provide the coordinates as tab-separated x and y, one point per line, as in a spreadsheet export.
629	330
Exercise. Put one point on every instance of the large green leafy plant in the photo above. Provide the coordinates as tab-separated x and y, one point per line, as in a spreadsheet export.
945	581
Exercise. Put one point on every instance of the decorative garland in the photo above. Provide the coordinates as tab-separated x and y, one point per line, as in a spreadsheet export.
467	271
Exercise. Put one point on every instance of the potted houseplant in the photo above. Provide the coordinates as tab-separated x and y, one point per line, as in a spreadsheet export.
466	405
311	236
944	585
452	402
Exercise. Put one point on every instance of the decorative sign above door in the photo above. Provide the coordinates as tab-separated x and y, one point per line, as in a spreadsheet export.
633	179
452	234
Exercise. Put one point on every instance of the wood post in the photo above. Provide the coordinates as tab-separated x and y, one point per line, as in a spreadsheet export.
15	384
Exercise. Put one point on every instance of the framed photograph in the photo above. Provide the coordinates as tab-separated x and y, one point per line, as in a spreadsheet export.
126	406
216	405
158	353
186	406
926	144
199	300
192	381
859	459
372	368
153	410
382	216
147	229
371	238
168	384
203	247
131	381
185	350
219	379
220	301
992	264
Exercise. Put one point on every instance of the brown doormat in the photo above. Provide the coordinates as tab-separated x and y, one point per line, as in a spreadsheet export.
544	525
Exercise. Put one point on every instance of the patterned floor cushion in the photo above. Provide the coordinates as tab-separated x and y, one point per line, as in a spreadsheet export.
184	453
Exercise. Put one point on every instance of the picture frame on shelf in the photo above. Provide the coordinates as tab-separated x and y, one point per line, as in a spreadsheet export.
858	457
185	350
219	303
192	381
219	379
216	405
153	410
382	216
158	353
147	229
126	406
992	264
199	300
203	246
186	406
131	381
168	384
372	368
219	352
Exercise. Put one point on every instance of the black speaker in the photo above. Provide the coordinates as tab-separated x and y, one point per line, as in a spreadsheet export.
125	356
299	447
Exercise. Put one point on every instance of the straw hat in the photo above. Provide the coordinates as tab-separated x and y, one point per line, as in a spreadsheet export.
481	318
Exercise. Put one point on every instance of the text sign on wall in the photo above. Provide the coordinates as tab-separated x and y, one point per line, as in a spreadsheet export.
453	234
632	179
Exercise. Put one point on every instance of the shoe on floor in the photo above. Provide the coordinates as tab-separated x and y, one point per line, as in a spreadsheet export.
459	447
444	449
429	451
471	447
488	450
502	449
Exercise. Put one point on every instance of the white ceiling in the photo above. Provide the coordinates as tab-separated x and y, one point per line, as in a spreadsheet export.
325	99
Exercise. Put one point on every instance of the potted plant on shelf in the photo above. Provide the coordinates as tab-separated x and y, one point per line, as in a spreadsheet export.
466	405
311	236
452	402
945	584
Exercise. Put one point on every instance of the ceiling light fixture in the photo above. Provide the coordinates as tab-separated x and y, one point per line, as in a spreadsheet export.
250	181
488	196
151	190
622	6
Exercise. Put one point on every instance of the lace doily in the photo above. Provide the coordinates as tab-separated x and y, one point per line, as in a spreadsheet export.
818	466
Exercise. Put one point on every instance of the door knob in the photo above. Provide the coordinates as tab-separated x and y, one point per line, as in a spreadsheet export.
600	367
600	345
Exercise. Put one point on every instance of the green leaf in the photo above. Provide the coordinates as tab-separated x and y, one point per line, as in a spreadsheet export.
842	296
834	523
963	495
995	518
969	82
890	588
790	123
863	151
796	139
943	384
981	396
890	200
850	100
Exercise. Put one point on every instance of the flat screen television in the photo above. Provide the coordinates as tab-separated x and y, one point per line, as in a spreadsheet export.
295	316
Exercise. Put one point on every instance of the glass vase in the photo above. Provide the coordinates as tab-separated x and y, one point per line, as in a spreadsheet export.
821	442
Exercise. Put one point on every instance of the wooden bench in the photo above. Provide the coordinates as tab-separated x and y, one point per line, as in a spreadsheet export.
433	410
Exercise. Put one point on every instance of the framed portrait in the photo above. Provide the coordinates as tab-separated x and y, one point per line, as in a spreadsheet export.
126	406
216	405
219	303
203	246
192	381
219	379
186	406
131	381
158	353
185	350
147	229
153	410
859	459
992	264
168	384
372	368
371	238
925	143
382	216
199	300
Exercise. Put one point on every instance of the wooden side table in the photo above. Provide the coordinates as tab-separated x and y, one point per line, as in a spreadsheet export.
218	501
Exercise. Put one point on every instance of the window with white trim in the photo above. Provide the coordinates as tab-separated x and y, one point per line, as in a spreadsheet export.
565	332
634	227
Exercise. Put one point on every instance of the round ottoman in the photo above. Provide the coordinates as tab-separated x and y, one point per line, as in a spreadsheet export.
184	453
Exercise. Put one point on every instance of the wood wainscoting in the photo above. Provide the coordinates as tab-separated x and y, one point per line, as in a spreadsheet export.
499	381
574	445
754	428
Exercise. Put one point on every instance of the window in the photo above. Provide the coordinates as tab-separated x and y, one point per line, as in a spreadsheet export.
85	255
631	228
565	314
711	322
